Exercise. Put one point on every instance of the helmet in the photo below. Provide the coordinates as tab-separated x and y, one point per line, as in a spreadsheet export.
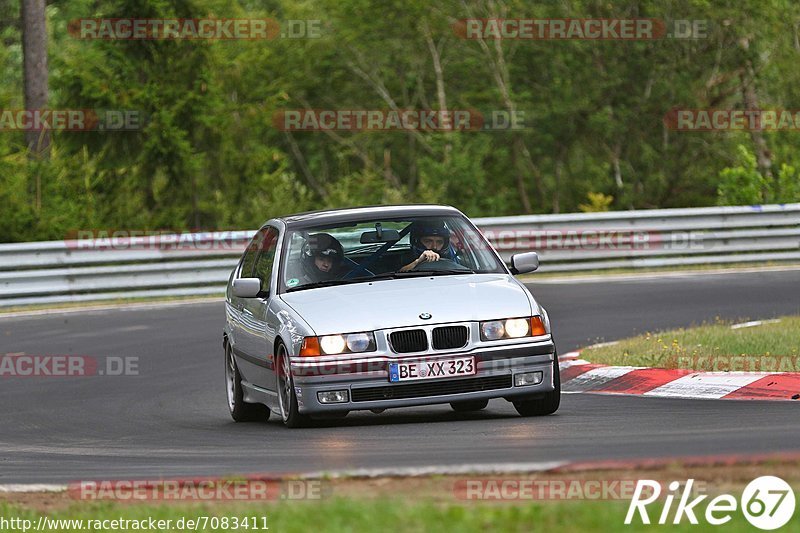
435	228
321	245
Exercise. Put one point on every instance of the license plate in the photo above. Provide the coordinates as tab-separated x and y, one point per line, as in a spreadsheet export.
448	368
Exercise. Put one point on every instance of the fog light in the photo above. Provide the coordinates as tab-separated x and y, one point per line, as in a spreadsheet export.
336	396
528	378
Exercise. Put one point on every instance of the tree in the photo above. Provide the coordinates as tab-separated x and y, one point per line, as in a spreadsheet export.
34	47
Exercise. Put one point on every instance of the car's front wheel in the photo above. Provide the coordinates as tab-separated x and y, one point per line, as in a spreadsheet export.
240	410
550	401
469	405
286	395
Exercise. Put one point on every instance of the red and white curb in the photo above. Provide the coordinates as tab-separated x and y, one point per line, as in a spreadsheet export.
578	375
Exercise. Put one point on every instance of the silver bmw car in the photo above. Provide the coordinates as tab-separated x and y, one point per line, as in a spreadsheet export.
376	307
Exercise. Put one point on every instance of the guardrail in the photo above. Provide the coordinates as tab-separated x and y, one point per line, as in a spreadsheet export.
200	263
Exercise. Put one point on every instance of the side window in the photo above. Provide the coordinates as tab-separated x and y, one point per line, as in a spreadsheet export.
250	254
266	257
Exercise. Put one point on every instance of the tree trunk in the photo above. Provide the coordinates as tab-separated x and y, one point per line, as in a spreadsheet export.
750	100
34	49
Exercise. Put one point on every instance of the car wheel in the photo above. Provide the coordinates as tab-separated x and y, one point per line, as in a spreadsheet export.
241	411
286	396
467	406
546	405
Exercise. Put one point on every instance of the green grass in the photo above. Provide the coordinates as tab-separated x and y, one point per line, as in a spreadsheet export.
397	515
768	347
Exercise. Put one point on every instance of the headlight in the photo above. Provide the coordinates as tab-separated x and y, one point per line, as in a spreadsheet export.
512	328
358	342
338	344
332	344
491	331
517	327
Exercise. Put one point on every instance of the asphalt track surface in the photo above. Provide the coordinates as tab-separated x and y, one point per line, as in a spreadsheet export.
171	420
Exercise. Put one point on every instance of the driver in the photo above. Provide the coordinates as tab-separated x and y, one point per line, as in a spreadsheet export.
430	241
321	258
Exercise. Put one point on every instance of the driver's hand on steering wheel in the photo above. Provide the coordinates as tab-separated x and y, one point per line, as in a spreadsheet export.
428	255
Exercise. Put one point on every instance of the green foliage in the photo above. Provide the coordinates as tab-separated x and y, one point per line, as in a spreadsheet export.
209	156
598	202
742	184
787	186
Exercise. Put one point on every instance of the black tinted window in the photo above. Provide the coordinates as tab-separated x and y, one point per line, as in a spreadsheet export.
251	253
266	257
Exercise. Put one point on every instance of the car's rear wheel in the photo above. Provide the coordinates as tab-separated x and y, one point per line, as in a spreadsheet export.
241	411
550	401
286	396
468	406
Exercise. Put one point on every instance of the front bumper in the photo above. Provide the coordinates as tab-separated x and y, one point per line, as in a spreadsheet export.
367	378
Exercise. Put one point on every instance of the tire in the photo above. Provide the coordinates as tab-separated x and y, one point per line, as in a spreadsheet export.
549	403
469	405
240	410
287	399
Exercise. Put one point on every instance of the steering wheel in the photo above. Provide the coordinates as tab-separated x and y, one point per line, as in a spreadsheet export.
441	264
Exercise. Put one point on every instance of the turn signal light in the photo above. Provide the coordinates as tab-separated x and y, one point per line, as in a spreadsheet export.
537	326
310	347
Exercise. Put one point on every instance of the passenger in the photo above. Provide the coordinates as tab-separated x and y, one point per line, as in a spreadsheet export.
430	241
322	257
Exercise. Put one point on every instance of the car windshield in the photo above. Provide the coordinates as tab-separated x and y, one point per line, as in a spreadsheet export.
385	248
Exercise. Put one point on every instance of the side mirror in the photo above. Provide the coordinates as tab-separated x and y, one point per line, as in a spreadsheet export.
246	287
524	263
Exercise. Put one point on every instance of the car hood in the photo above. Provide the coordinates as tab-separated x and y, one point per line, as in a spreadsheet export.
399	302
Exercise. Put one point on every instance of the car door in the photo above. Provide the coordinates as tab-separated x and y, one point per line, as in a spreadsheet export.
234	304
256	340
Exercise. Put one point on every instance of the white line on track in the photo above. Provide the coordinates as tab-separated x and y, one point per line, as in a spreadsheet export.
446	470
705	385
22	488
606	278
754	323
451	470
597	377
133	306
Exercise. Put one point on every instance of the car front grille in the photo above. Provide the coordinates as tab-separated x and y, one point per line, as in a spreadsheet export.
450	337
410	340
431	388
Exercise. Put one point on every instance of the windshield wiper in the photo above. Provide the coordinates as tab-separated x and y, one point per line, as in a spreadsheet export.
334	282
423	273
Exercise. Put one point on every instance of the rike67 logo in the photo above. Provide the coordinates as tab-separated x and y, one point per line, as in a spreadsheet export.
767	502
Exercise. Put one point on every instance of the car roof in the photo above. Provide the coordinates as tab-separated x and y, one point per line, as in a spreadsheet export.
351	214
